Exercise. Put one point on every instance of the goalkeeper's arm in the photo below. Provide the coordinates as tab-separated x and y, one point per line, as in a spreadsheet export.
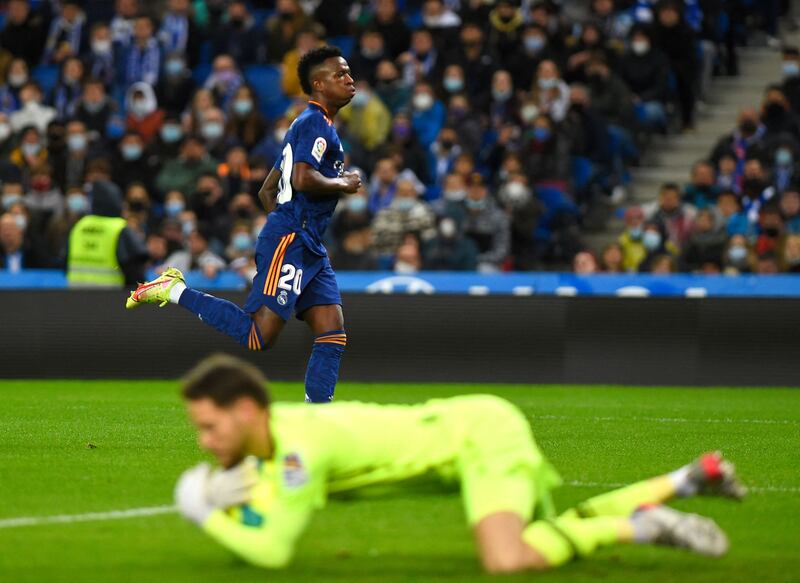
270	544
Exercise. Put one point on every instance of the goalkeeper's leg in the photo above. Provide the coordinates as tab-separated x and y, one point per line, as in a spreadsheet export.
707	475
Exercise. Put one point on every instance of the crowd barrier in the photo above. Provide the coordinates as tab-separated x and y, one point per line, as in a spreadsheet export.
425	338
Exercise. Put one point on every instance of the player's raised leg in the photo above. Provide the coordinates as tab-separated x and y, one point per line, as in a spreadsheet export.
257	332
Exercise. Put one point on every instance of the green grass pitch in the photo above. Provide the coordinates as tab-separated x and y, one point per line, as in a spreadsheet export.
597	437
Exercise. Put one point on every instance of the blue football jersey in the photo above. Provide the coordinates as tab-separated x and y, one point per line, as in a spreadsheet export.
311	139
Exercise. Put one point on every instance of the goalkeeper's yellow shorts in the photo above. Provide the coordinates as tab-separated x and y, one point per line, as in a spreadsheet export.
500	467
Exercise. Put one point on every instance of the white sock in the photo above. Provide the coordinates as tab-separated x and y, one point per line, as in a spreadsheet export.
176	291
684	485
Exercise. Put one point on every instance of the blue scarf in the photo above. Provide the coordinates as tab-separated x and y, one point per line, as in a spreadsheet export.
174	33
143	64
62	31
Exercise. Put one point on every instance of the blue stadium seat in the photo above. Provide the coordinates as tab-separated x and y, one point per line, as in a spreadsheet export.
46	76
266	80
260	17
345	43
201	72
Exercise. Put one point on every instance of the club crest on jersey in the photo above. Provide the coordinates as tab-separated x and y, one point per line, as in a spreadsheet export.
294	474
318	149
339	167
283	298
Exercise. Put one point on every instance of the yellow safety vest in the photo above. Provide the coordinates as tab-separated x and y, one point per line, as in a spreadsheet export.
92	259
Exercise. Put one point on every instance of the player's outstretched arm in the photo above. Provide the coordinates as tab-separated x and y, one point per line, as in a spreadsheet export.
269	190
310	181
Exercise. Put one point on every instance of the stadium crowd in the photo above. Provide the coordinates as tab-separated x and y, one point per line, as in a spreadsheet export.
491	133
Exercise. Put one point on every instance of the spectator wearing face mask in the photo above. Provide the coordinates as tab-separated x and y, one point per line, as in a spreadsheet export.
428	114
15	254
178	32
70	167
791	76
371	51
198	255
100	61
488	226
738	256
535	48
744	142
727	176
167	143
391	88
224	81
633	249
241	248
283	28
526	212
756	190
181	173
143	115
406	214
550	93
477	63
142	59
133	163
30	153
352	234
174	204
175	86
776	116
443	153
237	35
16	76
95	108
137	210
657	245
504	105
246	125
785	171
76	205
31	111
450	250
645	69
546	153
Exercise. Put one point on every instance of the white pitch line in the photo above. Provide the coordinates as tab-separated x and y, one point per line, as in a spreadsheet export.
88	517
156	510
672	419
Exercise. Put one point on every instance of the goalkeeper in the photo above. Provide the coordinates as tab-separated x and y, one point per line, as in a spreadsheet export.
283	460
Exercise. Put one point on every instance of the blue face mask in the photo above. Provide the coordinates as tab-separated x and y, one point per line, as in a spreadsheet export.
131	151
242	106
475	205
453	84
173	67
241	242
737	254
635	233
541	134
534	44
404	204
783	157
791	68
174	208
78	204
11	200
171	133
188	227
652	240
357	204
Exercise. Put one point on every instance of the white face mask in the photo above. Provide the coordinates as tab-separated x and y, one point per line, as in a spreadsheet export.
101	47
640	47
5	132
17	79
529	113
423	101
139	108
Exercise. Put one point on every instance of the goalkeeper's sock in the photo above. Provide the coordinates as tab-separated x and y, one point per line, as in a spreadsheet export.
223	315
566	538
323	366
624	501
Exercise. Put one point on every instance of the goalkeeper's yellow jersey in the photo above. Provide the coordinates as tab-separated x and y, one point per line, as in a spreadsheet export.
344	446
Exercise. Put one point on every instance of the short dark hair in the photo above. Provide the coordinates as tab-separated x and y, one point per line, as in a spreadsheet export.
311	60
224	379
